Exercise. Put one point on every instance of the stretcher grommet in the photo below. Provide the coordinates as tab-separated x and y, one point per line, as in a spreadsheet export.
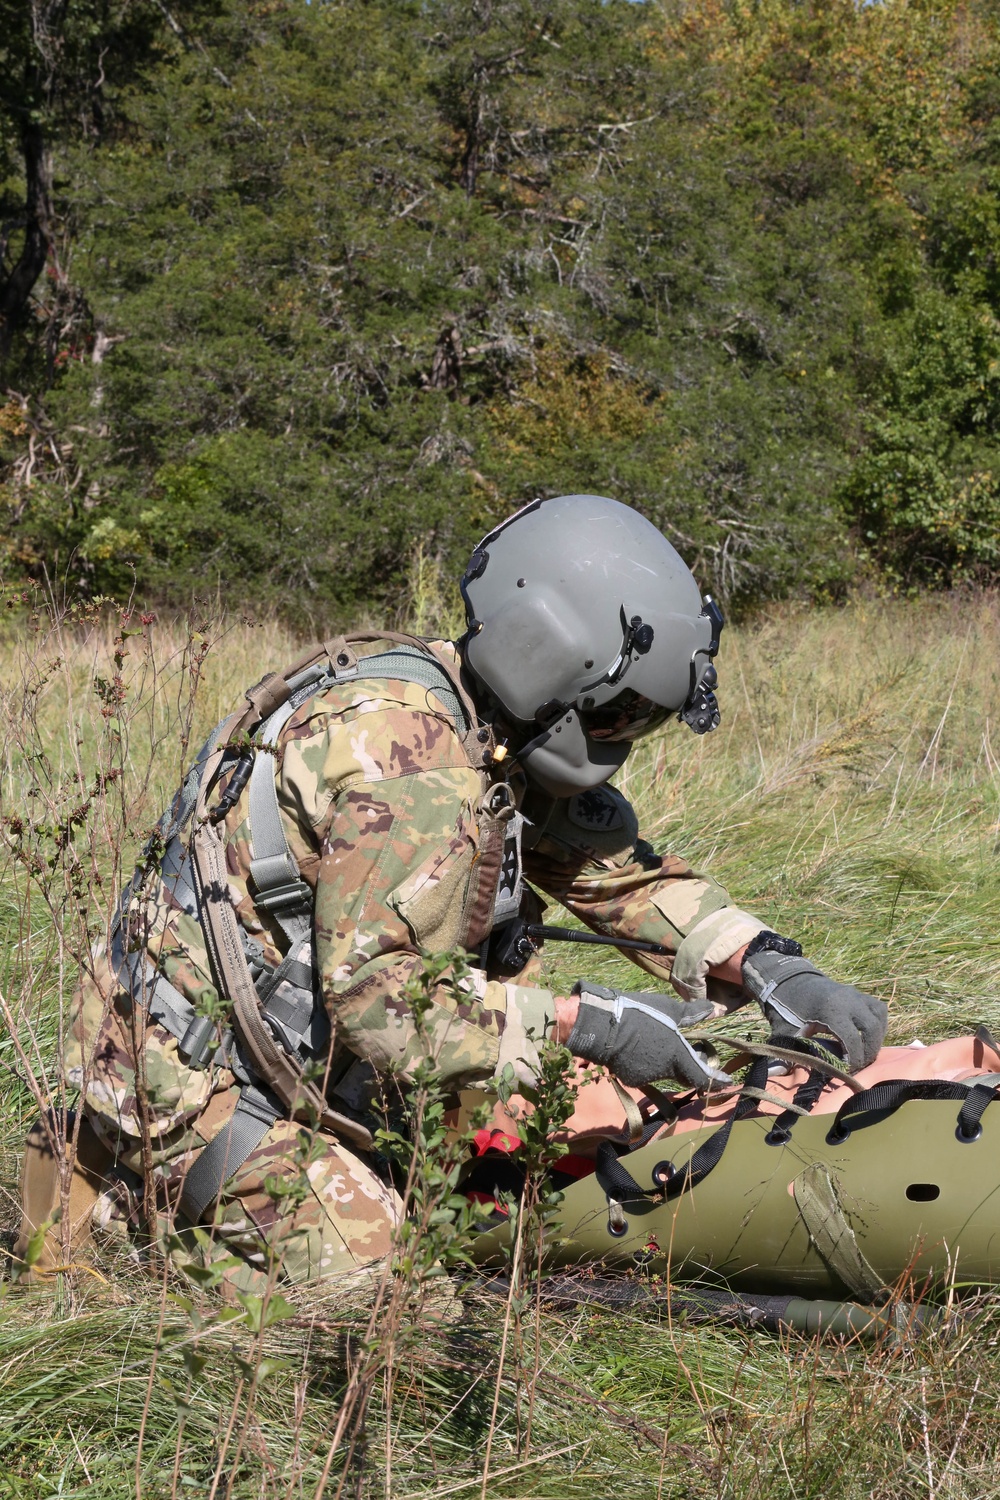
662	1173
778	1136
616	1232
835	1137
967	1140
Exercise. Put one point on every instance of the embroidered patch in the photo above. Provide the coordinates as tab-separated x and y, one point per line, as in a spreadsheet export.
596	810
507	902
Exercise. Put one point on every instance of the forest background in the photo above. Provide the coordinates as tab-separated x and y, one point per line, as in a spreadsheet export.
288	289
295	300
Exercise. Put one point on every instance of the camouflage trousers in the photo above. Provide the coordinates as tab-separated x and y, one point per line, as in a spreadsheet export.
302	1208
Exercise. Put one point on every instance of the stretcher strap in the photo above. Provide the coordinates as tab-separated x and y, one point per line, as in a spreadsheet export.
804	1101
633	1114
789	1049
830	1233
881	1101
615	1179
864	1109
621	1186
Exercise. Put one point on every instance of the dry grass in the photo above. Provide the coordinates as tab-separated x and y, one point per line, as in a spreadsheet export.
851	797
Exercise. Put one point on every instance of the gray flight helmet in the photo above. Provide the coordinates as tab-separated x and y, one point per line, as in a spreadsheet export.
585	624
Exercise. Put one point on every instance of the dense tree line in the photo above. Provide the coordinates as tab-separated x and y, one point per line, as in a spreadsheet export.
289	288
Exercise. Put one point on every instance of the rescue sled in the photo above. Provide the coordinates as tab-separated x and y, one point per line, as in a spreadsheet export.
825	1186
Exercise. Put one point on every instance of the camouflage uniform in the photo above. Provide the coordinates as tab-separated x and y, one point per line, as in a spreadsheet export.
380	807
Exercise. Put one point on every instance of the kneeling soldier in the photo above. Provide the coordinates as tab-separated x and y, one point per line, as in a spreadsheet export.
386	797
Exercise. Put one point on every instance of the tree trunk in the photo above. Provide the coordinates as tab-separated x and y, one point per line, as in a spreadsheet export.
16	288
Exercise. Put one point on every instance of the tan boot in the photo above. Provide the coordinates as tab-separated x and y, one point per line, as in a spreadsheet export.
40	1195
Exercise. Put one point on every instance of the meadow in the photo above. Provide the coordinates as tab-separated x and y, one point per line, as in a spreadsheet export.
851	797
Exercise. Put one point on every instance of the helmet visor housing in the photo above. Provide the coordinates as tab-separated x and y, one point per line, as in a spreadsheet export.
627	717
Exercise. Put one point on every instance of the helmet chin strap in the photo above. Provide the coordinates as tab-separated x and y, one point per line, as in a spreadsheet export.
563	760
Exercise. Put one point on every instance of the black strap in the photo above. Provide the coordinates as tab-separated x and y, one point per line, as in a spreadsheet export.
619	1184
707	1157
883	1099
615	1179
856	1113
253	1117
981	1095
806	1096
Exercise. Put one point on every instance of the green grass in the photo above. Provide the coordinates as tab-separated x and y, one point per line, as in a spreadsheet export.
851	798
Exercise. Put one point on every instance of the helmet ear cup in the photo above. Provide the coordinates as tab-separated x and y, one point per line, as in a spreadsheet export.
563	760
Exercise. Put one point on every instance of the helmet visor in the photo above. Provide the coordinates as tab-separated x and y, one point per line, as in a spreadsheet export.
627	717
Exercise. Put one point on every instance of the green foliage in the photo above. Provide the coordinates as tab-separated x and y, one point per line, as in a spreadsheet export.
427	1153
351	280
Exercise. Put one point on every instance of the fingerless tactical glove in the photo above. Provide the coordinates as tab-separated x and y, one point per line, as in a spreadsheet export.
796	997
638	1036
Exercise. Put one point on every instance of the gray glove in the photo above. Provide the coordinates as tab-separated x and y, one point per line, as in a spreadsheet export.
799	1000
638	1036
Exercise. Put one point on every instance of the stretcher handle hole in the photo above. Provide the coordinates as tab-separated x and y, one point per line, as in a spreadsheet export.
617	1230
967	1139
923	1192
837	1135
662	1173
778	1135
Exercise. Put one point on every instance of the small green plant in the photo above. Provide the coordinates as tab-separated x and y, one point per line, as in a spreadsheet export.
427	1153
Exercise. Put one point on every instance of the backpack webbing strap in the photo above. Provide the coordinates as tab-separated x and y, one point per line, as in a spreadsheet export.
166	1006
267	1058
253	1117
150	989
274	698
348	664
409	665
278	887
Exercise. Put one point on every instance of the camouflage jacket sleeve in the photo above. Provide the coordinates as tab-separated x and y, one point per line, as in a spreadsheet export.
384	791
586	851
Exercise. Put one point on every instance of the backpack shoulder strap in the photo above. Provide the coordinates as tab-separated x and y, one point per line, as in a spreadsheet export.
269	705
347	663
277	1068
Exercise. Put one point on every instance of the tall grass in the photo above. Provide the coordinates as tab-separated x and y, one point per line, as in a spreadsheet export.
850	797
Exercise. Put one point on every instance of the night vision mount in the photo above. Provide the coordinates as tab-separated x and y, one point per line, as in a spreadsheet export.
701	711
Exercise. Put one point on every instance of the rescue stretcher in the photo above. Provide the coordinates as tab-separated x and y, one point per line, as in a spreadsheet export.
821	1186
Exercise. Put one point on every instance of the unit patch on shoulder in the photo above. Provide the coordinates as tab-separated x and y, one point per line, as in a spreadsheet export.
599	810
